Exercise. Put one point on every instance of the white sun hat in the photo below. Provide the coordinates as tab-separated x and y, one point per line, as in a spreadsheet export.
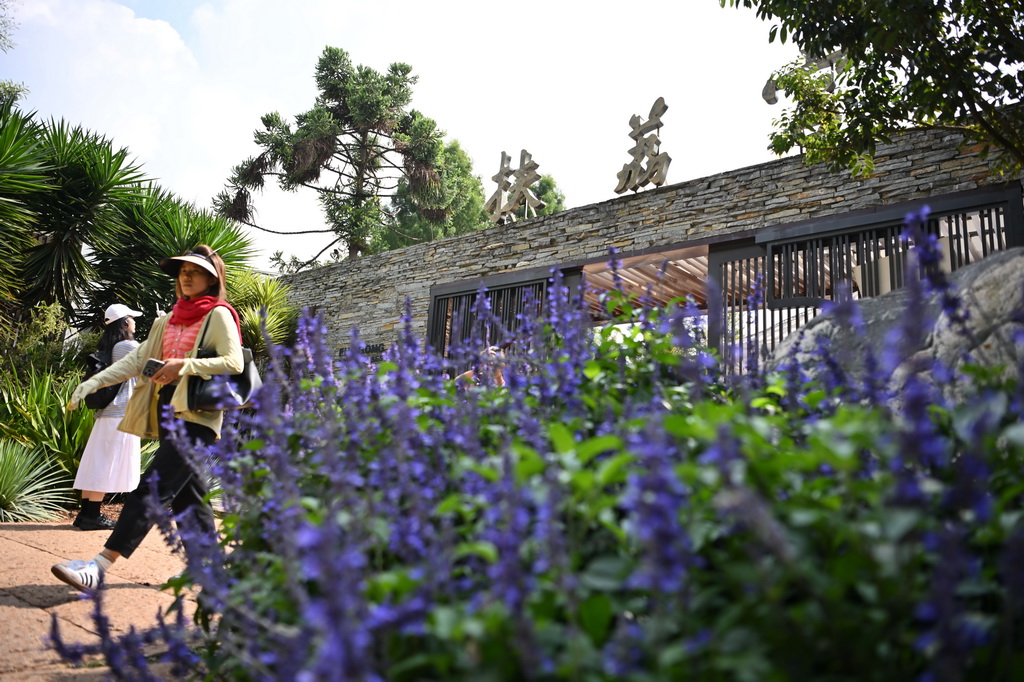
173	264
117	311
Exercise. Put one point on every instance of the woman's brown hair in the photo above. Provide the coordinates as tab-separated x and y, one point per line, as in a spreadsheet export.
218	289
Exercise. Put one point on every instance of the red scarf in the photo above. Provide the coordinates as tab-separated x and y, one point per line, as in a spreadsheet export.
188	311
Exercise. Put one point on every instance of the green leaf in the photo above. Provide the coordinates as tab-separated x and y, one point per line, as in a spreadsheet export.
444	621
606	573
561	438
612	470
582	481
898	522
449	504
1015	435
390	584
489	473
596	617
597	445
804	517
481	548
677	425
386	367
814	398
529	462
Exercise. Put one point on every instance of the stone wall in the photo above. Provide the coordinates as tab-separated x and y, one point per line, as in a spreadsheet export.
370	293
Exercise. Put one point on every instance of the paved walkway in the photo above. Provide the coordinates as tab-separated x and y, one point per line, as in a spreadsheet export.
30	596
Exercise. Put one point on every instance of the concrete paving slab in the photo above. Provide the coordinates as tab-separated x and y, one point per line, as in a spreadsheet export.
30	596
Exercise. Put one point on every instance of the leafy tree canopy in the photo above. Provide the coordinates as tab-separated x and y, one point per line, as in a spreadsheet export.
152	225
357	148
87	179
24	171
454	206
953	65
82	227
545	189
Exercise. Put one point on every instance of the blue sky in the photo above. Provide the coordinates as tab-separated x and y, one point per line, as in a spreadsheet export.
182	83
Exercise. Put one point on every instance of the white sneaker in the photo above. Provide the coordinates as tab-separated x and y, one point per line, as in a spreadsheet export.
81	575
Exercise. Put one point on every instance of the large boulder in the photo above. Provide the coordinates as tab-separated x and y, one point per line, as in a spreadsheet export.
992	292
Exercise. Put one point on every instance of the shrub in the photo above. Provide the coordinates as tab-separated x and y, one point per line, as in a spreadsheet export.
619	510
34	413
38	346
30	488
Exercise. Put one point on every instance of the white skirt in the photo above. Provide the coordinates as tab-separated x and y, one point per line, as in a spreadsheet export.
111	460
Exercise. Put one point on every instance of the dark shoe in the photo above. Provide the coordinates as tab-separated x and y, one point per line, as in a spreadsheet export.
100	522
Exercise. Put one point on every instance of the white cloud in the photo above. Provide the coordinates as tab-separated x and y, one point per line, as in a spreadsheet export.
183	85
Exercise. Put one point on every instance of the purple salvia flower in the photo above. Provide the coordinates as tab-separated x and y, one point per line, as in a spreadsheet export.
950	634
179	653
615	265
655	500
623	654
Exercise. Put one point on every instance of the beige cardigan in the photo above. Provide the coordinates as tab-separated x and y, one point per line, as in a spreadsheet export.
218	333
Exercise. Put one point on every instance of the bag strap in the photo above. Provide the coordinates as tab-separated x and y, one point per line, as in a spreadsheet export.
202	334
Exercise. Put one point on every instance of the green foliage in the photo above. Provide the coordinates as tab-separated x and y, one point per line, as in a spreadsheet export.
81	227
155	225
30	488
39	346
943	65
7	25
262	304
352	149
9	90
89	180
547	191
286	265
454	206
618	510
23	172
34	413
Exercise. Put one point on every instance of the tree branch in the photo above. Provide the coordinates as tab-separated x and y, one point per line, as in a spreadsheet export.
265	229
320	253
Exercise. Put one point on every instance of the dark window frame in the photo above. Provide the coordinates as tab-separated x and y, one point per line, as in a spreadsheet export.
506	287
874	234
733	266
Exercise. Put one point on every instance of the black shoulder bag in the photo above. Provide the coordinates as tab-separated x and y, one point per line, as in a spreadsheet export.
97	362
224	391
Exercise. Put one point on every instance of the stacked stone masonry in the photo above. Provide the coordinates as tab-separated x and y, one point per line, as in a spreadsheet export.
370	293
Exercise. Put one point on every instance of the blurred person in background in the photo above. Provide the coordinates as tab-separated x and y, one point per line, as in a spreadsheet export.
112	458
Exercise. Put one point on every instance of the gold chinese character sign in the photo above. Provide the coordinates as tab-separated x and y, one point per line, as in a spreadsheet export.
503	210
647	149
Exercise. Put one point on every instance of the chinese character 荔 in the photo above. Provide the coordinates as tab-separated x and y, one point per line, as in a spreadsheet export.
634	174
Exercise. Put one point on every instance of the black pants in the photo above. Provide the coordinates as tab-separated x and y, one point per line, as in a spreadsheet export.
178	487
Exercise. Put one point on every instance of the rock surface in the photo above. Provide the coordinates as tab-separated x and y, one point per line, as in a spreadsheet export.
992	291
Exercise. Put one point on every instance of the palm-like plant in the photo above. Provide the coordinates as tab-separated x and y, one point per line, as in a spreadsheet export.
33	413
23	172
262	303
92	179
31	489
156	224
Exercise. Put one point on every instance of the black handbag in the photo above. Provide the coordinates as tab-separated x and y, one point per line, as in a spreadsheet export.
97	362
223	391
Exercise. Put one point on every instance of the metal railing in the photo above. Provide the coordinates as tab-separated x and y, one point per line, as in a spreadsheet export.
775	283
